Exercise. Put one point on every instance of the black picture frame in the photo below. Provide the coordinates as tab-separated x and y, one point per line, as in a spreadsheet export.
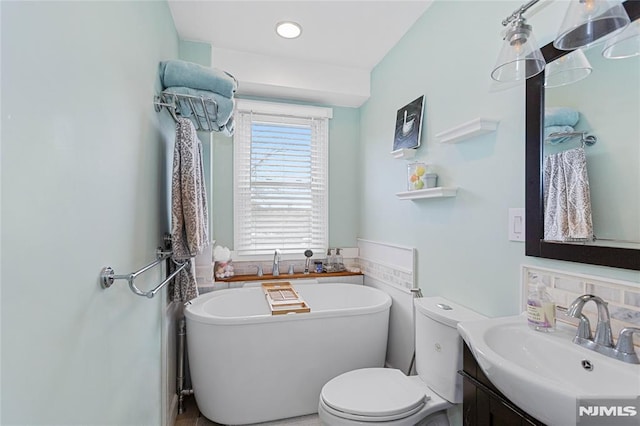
408	129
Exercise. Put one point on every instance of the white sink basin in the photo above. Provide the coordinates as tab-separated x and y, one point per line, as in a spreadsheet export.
543	373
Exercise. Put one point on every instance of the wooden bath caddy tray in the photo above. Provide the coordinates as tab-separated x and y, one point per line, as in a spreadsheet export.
283	299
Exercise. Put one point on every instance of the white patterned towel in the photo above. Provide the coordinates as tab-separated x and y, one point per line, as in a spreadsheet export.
567	202
189	216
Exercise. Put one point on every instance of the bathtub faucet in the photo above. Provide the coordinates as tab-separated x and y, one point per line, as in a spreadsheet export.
276	263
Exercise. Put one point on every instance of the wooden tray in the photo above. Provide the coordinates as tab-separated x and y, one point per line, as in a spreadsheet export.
283	298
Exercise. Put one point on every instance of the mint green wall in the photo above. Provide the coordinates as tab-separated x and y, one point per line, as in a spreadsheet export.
344	184
462	242
85	160
194	51
221	206
344	177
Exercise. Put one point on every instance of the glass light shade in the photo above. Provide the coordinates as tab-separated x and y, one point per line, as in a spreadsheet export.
566	70
589	21
625	44
520	56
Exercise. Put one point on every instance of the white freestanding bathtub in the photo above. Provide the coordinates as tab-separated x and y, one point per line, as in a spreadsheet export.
249	366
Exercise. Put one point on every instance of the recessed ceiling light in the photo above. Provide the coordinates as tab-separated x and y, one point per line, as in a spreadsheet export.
288	29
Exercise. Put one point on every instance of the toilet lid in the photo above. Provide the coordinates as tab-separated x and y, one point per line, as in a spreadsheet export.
382	393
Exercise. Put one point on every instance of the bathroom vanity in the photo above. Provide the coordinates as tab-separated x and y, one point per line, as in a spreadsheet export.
483	403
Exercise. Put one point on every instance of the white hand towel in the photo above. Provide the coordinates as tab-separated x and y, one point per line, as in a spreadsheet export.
567	201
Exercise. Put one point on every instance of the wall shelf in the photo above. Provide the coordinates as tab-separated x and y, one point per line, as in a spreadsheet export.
406	153
471	129
438	192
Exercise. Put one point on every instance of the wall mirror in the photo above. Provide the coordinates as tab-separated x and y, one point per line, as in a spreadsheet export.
609	95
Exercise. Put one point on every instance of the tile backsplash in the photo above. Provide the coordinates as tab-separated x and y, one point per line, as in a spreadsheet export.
389	263
623	297
387	274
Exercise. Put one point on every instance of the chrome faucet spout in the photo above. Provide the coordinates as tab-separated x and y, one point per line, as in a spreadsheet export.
276	264
603	336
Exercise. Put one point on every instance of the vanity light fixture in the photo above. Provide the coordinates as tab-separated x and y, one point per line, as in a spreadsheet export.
288	29
520	57
586	22
590	21
625	44
567	69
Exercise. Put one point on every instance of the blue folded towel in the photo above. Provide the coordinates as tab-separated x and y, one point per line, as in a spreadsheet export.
557	129
188	74
561	116
219	118
228	128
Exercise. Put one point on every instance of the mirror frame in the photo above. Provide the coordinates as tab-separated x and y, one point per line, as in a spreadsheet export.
617	257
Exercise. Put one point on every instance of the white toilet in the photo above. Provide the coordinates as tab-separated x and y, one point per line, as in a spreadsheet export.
385	396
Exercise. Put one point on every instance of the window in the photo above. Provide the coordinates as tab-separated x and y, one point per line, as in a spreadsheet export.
280	178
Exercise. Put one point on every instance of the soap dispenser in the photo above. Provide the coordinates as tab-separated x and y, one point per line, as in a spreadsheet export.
541	309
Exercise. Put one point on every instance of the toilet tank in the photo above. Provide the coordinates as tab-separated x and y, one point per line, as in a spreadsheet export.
439	346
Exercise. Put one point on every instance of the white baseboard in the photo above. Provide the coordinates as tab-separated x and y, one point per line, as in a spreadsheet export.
172	411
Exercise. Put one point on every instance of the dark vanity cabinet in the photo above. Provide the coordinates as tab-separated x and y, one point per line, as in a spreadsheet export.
483	404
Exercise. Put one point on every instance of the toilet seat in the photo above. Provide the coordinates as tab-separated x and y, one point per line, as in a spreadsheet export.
372	395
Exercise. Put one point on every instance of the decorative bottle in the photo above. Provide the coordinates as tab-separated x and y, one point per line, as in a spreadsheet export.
541	309
339	261
327	264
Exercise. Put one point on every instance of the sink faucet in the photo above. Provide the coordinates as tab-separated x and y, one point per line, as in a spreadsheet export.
603	328
276	263
603	341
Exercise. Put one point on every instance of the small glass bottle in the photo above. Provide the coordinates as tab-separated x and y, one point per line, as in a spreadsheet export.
541	309
339	261
329	261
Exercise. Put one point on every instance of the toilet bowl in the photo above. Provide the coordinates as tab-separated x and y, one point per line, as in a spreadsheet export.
386	396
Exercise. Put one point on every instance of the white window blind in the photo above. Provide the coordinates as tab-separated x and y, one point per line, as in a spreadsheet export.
280	178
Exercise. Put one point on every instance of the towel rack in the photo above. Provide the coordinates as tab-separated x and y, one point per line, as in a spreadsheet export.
172	101
108	276
585	138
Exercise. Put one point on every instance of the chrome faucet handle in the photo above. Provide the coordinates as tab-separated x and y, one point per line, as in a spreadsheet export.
259	270
625	348
584	328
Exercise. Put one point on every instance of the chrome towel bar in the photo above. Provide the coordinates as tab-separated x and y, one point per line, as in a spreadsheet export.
585	138
171	102
108	276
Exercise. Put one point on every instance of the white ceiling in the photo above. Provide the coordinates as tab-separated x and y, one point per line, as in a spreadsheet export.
353	35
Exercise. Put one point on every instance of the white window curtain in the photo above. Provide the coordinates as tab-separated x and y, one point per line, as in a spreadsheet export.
280	178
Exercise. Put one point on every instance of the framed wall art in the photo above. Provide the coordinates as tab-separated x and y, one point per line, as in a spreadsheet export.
409	125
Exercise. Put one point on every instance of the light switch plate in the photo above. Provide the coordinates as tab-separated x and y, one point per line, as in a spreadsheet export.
516	224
